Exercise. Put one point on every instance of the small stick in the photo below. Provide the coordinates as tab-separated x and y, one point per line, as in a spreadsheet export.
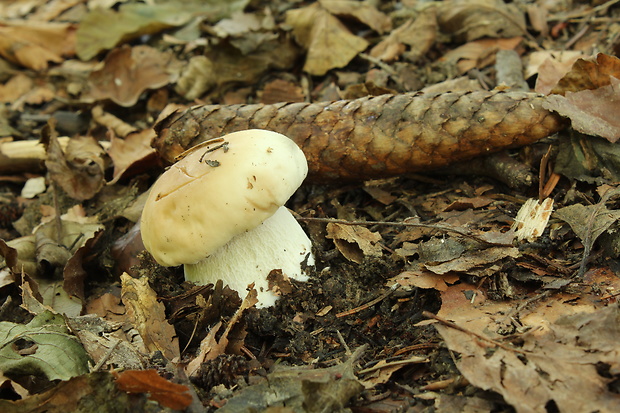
370	303
455	326
405	224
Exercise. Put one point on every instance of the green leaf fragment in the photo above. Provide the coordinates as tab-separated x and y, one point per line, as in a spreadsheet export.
44	346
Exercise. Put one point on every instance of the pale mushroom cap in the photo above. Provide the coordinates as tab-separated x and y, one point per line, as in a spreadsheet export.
218	191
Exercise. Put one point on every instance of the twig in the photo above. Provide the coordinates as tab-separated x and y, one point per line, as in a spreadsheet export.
370	303
347	350
405	224
455	326
106	356
410	360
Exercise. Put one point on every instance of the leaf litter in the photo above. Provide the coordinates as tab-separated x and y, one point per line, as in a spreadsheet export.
422	279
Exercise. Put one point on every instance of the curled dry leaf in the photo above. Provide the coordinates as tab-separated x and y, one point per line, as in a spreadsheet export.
589	74
589	95
78	170
171	395
363	11
34	44
479	53
593	112
127	72
354	242
469	20
148	316
418	34
329	43
131	152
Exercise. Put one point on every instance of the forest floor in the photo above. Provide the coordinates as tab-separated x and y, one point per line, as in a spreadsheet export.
485	285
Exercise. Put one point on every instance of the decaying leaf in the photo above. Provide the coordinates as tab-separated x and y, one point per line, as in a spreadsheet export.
355	242
472	260
578	355
168	394
363	11
550	66
419	34
589	74
89	392
34	44
148	316
593	112
588	221
469	20
78	170
211	346
479	53
43	346
424	279
302	389
197	77
109	344
131	152
102	29
329	43
127	72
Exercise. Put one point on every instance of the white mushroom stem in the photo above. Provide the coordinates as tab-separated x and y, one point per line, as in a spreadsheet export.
278	243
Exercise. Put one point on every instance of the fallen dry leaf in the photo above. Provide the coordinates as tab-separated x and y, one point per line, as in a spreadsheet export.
127	72
479	53
168	394
473	259
578	355
550	66
355	242
419	34
131	152
148	316
593	112
34	44
78	170
589	74
425	279
329	43
211	346
469	20
363	11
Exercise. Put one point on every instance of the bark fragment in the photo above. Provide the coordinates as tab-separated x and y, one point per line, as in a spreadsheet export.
375	137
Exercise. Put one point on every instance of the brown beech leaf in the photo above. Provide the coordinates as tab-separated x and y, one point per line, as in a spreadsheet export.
354	242
363	11
593	112
550	66
34	44
127	72
469	20
479	53
425	279
148	316
559	364
171	395
418	34
78	170
131	152
588	74
329	43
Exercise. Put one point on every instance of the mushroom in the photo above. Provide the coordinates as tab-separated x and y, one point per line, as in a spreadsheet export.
219	212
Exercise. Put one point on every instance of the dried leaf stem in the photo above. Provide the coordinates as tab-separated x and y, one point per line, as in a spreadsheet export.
406	224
